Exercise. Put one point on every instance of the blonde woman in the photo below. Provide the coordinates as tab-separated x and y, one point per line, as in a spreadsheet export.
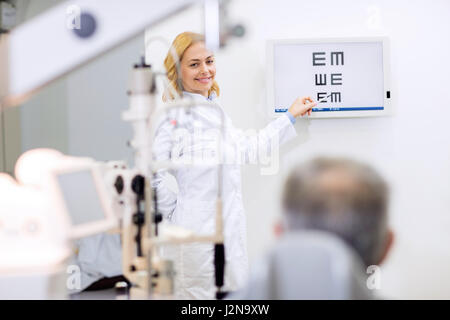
194	205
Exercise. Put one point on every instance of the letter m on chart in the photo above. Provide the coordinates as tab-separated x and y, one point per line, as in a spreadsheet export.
335	97
338	57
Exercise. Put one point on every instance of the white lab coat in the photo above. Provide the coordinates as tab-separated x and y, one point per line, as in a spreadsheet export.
194	205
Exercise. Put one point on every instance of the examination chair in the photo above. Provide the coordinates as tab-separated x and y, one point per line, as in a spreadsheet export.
308	265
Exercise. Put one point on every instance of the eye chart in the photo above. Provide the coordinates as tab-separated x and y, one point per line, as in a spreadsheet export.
349	77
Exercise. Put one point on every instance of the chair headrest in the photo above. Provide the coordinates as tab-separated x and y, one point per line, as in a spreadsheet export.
308	265
315	265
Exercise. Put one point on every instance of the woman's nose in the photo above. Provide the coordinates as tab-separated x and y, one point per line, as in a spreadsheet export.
203	68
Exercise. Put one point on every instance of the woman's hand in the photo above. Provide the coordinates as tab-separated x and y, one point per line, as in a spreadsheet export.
302	106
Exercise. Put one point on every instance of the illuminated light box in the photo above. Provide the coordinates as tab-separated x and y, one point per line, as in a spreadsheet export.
352	74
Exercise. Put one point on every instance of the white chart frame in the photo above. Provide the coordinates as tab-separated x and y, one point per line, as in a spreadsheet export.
387	92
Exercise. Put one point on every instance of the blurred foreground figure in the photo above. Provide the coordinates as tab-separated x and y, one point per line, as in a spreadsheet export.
334	227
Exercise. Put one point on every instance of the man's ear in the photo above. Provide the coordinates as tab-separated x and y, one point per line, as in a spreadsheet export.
387	248
278	229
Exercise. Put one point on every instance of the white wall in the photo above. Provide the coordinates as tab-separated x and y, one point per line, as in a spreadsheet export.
43	118
96	98
411	149
22	129
80	114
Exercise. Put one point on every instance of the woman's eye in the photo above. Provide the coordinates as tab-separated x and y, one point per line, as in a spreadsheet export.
194	64
210	61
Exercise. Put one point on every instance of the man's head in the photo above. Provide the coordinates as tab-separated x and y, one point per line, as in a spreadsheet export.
344	197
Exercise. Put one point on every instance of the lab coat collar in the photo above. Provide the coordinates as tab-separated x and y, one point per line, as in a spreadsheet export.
209	115
211	97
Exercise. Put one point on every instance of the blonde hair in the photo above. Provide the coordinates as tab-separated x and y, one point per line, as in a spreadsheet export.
179	45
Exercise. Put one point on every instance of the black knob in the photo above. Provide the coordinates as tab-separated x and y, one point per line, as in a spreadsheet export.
138	219
119	184
158	217
138	184
142	64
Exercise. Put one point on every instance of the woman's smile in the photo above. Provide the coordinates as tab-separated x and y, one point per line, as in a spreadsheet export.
204	80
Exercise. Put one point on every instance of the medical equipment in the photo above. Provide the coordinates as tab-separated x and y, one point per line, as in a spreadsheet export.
136	264
88	207
34	237
93	28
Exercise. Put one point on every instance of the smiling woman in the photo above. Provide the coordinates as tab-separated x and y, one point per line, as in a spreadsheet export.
197	67
198	71
195	204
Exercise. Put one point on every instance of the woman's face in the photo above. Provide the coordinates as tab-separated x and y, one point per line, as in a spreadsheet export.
198	69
